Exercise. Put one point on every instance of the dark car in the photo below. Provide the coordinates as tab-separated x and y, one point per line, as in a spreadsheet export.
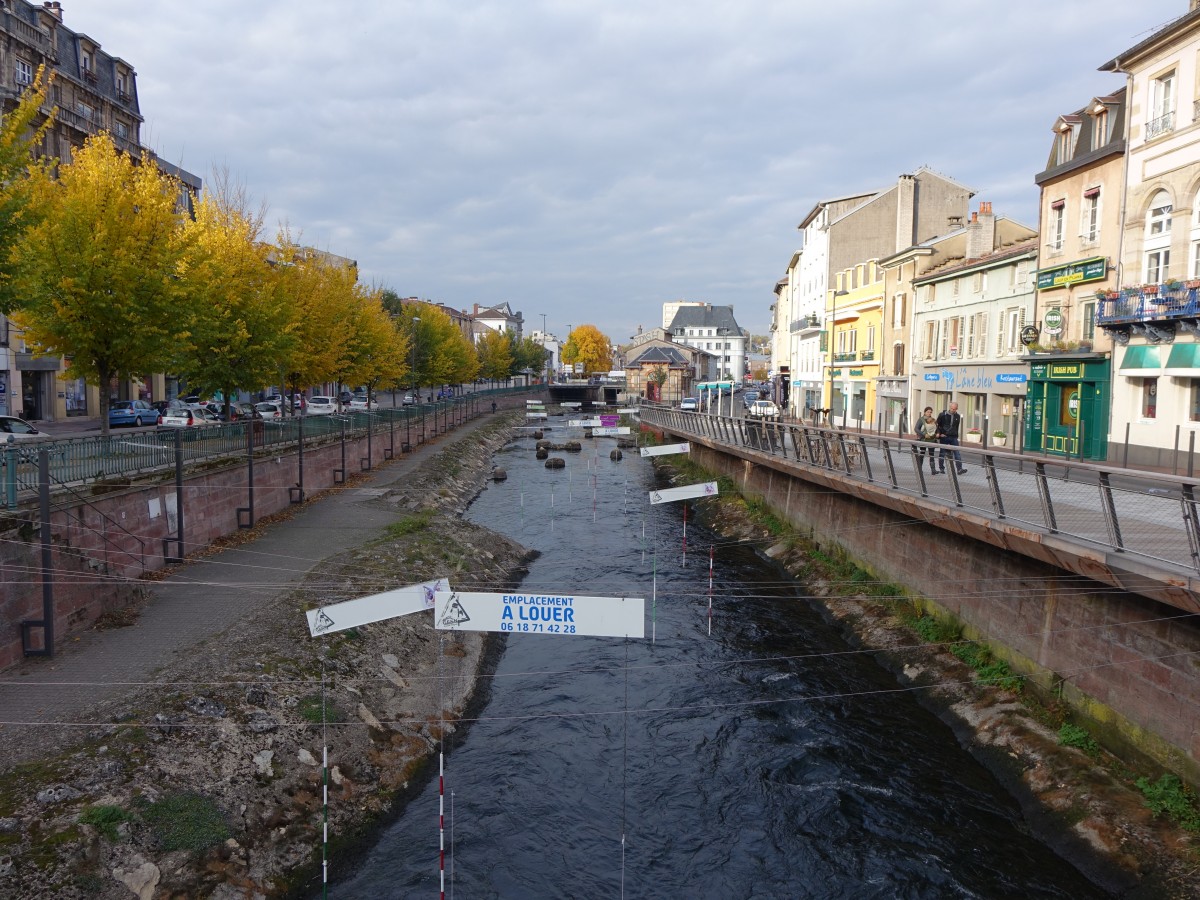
345	397
131	412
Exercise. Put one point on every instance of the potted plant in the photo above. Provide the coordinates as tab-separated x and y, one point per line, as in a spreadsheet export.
973	436
1000	438
1150	289
1085	345
1192	283
1173	284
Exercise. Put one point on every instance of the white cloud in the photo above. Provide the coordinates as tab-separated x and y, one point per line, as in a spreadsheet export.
590	160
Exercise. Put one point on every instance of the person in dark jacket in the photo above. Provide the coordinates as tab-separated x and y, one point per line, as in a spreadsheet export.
927	434
948	425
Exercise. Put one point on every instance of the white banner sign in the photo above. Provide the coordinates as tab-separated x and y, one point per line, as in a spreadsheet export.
530	415
631	411
611	430
666	449
584	423
542	614
670	495
375	608
571	404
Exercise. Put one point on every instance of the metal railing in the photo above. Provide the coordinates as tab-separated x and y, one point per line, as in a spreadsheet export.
1154	516
131	454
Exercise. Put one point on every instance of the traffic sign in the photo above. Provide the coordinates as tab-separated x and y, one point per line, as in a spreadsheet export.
375	608
667	449
542	614
670	495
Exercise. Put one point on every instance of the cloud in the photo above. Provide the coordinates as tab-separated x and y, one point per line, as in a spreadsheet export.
591	160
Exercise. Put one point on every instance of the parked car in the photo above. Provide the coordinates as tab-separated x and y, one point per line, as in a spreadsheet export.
131	412
345	397
193	401
268	410
410	399
690	403
321	406
749	398
360	402
205	416
246	410
13	428
763	409
179	417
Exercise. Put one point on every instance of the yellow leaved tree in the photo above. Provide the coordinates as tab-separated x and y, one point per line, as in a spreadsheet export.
96	271
586	344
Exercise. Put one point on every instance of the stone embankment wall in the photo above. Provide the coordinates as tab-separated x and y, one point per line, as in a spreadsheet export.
1128	665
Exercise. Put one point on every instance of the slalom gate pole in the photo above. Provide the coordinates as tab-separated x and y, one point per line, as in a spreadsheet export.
710	581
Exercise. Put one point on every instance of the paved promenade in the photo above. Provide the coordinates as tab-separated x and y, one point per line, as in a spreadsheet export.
199	599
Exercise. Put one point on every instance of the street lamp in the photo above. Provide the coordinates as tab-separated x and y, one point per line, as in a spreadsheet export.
544	363
408	414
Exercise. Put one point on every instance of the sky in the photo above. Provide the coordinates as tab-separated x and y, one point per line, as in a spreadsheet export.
589	160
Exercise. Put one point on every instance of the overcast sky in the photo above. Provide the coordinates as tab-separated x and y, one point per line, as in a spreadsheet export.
590	160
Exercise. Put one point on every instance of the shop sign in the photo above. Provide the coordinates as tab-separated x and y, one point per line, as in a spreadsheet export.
1030	335
856	372
1078	272
932	376
1012	377
1074	370
1053	320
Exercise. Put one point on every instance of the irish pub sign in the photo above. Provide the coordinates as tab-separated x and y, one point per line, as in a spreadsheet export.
1078	272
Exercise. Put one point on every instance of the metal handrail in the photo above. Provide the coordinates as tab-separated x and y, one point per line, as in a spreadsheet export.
1151	515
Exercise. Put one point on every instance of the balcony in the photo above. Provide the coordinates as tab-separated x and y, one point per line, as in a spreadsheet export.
1155	310
805	324
848	356
867	355
1164	124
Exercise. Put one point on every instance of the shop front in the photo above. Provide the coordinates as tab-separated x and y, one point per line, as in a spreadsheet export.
892	400
1068	409
989	398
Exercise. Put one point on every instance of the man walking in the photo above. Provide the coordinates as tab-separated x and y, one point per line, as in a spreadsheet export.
948	425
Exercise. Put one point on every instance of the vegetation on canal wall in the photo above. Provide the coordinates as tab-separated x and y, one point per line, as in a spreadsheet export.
1141	821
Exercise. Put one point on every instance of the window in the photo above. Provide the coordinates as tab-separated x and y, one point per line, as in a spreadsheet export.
898	358
1064	144
85	111
1149	398
1100	129
1058	219
871	340
1161	116
1157	258
1089	226
1010	337
928	339
121	129
23	71
952	338
1158	265
898	310
1087	313
977	335
1194	405
85	62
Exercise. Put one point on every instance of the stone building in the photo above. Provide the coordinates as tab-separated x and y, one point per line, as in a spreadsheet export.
714	329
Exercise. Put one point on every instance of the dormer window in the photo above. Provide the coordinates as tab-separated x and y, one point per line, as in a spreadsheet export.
1064	145
1099	128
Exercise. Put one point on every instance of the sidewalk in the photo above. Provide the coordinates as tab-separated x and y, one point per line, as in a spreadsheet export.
199	599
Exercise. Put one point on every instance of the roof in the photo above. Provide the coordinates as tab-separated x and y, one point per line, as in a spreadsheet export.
1021	248
706	316
669	356
1164	35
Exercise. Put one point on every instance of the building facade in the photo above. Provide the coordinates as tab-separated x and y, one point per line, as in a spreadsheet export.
1154	317
715	330
850	345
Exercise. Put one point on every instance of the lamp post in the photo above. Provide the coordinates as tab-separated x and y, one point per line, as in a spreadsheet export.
544	364
833	360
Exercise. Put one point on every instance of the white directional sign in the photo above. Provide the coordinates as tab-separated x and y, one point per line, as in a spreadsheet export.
667	449
534	403
584	423
631	411
571	404
611	430
375	608
535	415
670	495
542	614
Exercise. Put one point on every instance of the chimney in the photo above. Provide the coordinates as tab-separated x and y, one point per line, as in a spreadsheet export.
906	212
54	8
981	231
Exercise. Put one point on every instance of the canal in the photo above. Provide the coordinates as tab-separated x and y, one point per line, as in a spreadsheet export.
766	759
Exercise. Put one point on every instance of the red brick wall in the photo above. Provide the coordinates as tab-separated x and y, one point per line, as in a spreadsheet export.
103	546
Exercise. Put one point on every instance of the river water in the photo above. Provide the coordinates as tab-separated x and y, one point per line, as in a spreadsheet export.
764	760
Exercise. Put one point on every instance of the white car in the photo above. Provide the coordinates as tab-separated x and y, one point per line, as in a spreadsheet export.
15	429
269	410
321	406
180	417
763	409
689	403
359	403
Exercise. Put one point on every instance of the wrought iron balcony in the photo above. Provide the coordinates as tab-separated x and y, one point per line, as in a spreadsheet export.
867	355
1154	309
1164	124
848	356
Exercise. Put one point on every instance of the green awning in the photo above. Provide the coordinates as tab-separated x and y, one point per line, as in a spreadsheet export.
1184	356
1140	357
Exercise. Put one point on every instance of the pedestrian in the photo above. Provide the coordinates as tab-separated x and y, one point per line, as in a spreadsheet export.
927	430
493	407
948	425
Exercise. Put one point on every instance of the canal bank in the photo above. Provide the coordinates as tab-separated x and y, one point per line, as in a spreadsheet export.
205	778
1078	798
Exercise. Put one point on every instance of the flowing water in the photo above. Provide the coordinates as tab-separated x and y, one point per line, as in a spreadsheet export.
764	760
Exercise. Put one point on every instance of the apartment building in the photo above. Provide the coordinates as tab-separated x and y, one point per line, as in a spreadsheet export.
1154	317
715	330
1070	371
850	344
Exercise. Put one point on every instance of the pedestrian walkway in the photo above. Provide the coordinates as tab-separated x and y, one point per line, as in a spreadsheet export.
199	599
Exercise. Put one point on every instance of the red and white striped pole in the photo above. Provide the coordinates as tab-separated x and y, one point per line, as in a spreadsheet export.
710	581
442	821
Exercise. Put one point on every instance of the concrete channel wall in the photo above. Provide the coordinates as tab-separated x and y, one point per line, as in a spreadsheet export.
1130	666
